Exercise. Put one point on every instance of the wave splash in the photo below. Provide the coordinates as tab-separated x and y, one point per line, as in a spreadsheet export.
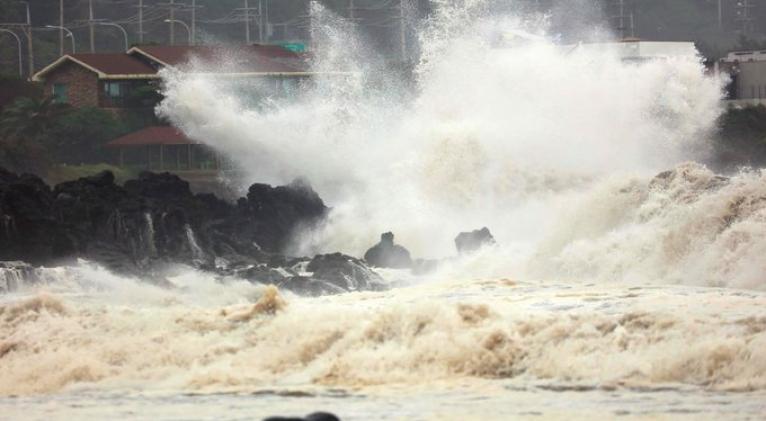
476	331
486	135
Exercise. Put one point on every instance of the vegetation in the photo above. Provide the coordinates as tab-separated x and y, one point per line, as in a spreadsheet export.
742	138
36	133
79	136
63	172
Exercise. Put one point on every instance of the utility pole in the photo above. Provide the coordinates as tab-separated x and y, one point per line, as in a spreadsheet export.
260	21
92	27
140	21
61	31
172	23
402	32
720	15
30	47
193	33
247	22
351	9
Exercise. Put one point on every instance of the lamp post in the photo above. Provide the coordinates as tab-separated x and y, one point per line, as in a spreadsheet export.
188	30
124	32
69	34
30	47
18	41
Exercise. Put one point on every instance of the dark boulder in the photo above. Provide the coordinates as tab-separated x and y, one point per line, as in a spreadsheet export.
346	272
468	242
271	216
308	286
316	416
386	254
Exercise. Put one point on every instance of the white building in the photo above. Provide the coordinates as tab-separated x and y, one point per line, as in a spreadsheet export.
747	70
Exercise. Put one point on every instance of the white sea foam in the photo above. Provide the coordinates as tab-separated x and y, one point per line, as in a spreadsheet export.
534	141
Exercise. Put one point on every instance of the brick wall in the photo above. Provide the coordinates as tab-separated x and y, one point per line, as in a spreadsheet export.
83	86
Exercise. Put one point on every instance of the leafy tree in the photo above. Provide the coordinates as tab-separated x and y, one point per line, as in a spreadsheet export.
23	126
30	117
79	136
742	137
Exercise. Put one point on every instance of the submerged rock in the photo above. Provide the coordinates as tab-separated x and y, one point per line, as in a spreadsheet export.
346	272
316	416
386	254
468	242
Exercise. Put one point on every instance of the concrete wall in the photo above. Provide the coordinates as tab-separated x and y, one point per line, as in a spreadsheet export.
751	80
82	84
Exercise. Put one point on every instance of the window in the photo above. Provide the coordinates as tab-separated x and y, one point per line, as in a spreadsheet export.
60	93
114	89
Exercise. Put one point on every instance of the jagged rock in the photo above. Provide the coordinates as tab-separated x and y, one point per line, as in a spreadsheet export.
346	272
308	286
386	254
266	275
271	215
93	217
468	242
155	219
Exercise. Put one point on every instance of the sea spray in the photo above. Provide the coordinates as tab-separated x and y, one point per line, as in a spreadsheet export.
195	249
149	235
506	137
205	337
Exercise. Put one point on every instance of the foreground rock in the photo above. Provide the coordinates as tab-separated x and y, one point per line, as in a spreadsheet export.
469	242
156	220
386	254
316	416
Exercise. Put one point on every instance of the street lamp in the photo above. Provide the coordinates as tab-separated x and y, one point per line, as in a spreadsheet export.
68	33
18	41
188	31
124	32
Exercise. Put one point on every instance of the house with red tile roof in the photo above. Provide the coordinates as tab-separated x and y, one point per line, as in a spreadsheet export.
130	80
126	80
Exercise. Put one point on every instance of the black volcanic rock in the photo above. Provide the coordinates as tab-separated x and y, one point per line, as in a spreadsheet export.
346	272
273	214
156	219
468	242
316	416
386	254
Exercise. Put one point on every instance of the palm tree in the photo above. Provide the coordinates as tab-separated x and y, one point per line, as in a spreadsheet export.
29	117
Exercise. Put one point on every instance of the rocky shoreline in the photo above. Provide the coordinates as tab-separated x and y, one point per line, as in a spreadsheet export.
155	220
141	228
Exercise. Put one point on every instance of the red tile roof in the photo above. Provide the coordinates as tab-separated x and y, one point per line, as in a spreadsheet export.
153	135
115	64
229	59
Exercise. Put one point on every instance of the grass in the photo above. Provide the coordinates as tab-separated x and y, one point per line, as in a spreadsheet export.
61	173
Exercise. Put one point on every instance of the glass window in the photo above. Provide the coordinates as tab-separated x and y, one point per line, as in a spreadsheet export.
113	89
60	93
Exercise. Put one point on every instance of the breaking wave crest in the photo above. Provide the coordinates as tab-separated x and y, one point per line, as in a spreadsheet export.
474	331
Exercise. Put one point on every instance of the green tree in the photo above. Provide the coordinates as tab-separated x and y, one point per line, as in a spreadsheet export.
79	136
30	117
23	128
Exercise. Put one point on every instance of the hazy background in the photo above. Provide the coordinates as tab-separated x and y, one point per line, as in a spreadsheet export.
742	22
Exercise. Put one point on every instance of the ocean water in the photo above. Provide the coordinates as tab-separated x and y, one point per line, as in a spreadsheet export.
86	348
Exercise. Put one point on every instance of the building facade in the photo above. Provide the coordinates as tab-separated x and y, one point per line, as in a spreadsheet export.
747	77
